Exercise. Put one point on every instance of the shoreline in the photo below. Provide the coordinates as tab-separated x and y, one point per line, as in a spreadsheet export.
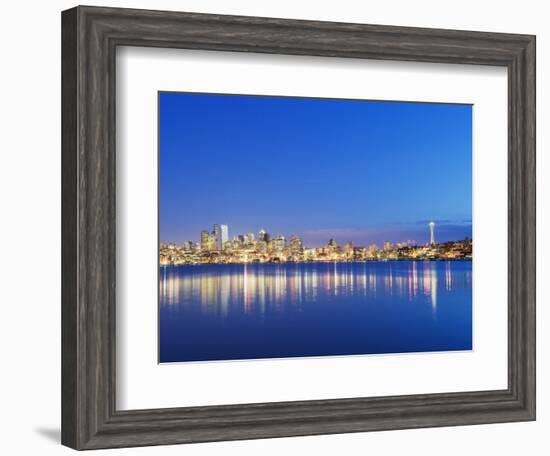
422	260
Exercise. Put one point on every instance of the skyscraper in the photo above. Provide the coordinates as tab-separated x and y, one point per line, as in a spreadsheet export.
262	235
221	235
224	234
204	239
217	236
432	234
296	246
280	242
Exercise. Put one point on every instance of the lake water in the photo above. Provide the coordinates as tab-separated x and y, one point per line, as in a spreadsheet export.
222	312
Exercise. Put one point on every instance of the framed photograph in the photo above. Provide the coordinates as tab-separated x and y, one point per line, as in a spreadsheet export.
280	228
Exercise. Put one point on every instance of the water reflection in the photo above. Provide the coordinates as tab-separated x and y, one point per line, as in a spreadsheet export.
256	288
214	312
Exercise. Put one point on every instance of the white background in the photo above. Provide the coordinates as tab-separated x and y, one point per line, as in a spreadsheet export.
142	383
30	193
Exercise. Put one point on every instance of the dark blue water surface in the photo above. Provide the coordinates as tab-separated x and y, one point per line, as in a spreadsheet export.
221	312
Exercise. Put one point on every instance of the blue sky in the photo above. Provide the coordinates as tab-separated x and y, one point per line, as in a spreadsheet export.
364	171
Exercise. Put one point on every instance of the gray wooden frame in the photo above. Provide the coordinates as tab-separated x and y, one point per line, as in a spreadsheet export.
90	36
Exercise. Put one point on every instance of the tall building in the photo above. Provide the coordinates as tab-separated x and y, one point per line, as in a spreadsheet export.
432	232
224	229
262	236
280	242
296	246
205	237
212	243
217	236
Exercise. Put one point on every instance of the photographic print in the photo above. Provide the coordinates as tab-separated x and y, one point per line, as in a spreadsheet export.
298	227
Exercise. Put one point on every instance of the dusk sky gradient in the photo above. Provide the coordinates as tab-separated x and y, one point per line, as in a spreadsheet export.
361	171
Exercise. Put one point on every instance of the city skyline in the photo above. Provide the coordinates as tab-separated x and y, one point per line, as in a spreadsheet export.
339	237
215	247
363	171
219	236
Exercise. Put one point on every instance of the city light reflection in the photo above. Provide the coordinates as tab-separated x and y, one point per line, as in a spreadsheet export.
259	288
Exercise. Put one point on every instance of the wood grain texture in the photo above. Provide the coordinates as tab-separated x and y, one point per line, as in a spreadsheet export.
69	227
89	39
